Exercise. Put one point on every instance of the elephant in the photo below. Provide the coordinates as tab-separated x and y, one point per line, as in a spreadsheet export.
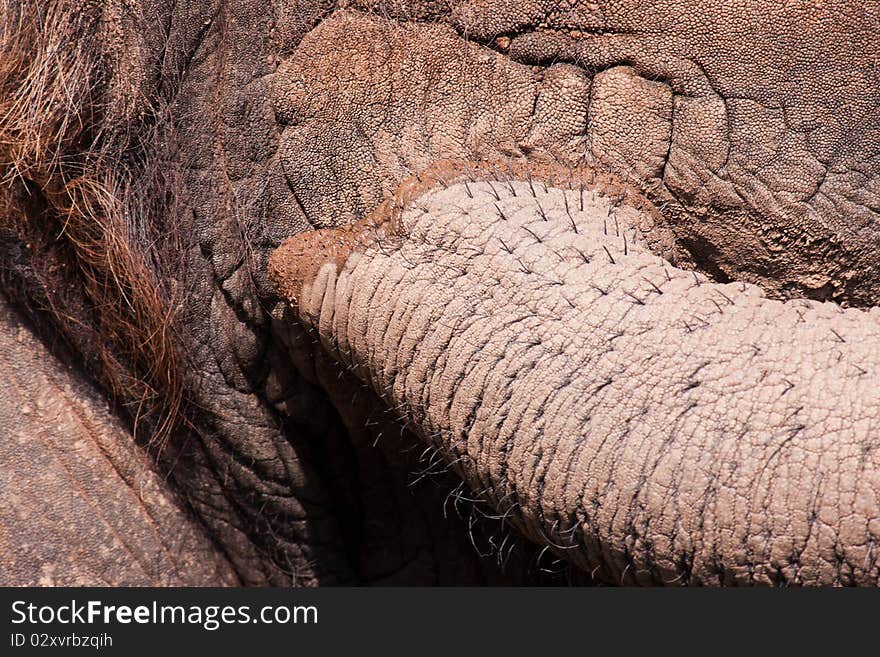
512	292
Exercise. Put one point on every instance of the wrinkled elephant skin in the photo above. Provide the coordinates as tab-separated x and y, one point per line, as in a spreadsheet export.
489	292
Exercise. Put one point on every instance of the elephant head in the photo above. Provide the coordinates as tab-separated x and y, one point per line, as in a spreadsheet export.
604	275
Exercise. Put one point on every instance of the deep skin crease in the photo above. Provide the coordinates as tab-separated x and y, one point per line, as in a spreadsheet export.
155	154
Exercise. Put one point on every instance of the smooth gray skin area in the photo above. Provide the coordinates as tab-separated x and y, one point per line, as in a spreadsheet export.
644	422
59	435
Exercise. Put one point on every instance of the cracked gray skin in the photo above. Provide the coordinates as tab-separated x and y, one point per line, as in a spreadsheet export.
648	424
753	129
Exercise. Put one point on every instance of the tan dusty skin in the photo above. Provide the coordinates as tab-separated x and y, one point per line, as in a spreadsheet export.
154	154
299	259
641	420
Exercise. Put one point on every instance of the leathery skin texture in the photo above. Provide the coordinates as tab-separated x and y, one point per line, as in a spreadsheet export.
646	423
212	130
58	434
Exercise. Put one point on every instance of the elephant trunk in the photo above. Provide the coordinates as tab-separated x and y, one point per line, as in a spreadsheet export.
648	424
